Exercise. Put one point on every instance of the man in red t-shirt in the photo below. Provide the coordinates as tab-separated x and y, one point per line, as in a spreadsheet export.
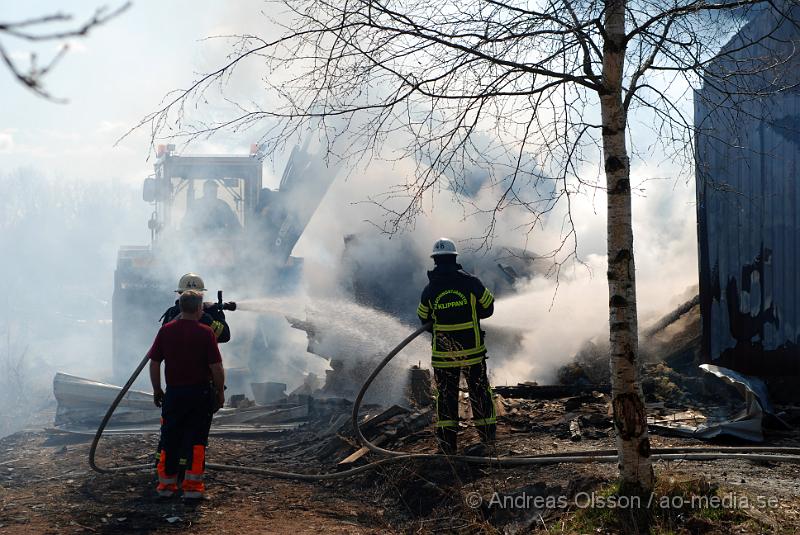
195	391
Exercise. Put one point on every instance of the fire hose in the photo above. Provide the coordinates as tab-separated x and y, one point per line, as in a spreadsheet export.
762	453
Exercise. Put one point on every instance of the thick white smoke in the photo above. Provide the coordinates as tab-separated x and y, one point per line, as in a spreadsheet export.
59	238
557	316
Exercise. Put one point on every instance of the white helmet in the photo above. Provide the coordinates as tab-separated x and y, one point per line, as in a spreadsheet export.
443	246
191	281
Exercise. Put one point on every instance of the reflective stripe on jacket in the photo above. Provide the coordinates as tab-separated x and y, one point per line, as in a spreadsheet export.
456	302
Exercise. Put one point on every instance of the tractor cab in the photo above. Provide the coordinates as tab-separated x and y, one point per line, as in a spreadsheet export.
210	197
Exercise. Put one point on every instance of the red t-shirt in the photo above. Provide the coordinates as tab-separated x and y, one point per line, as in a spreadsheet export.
187	348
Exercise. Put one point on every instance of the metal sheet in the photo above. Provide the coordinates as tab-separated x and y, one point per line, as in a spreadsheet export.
83	402
747	155
746	385
746	424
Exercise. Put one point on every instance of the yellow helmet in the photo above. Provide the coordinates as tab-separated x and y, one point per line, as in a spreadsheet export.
191	281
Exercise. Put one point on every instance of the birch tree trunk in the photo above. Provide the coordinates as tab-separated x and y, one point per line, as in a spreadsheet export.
633	443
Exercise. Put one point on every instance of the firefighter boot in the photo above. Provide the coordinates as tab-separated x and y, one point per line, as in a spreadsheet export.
167	483
193	486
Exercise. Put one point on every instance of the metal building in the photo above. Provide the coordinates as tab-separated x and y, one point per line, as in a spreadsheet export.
747	119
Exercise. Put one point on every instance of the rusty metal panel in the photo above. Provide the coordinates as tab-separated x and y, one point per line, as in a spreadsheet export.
747	154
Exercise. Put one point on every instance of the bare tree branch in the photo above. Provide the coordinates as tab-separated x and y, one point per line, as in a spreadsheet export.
36	30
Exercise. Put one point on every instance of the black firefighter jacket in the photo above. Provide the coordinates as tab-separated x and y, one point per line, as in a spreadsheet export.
212	316
456	302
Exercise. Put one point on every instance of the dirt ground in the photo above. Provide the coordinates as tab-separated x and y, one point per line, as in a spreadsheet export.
46	486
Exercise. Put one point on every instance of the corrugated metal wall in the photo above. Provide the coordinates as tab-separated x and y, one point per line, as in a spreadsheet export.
747	151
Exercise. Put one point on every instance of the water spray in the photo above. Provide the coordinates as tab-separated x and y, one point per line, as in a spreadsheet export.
263	305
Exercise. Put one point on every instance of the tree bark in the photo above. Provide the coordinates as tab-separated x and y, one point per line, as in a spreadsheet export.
633	443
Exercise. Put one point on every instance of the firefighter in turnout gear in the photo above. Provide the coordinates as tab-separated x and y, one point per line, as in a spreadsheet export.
455	302
212	315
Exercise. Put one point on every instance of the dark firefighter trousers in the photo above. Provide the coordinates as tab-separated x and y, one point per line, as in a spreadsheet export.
446	396
185	422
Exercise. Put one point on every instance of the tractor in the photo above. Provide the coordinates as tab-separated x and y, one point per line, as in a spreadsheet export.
241	239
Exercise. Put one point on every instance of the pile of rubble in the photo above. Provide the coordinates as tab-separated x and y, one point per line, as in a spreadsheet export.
331	440
683	396
575	418
670	354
